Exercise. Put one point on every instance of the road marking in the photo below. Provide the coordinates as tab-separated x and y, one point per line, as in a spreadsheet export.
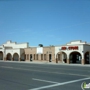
6	67
55	68
59	84
54	72
46	71
44	80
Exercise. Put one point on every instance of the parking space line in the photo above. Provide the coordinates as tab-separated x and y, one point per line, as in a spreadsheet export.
44	80
59	84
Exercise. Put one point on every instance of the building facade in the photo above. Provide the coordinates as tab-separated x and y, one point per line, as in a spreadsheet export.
40	53
12	51
73	52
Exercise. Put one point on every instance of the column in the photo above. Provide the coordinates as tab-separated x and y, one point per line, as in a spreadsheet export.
4	58
68	61
61	58
35	56
19	59
12	59
39	57
26	57
4	55
83	62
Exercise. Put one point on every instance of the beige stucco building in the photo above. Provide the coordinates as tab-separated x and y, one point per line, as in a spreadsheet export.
12	51
73	52
40	53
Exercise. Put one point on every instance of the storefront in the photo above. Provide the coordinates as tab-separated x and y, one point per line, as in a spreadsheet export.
73	52
12	51
40	54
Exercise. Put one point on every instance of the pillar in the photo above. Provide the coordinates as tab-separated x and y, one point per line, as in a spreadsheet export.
12	59
39	57
25	56
82	61
19	59
68	61
4	58
61	57
35	56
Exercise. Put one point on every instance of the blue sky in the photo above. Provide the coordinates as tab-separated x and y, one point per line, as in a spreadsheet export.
47	22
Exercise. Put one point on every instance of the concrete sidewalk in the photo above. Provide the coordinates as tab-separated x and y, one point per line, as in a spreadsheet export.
53	63
48	63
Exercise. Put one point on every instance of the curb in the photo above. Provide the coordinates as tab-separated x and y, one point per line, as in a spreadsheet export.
47	63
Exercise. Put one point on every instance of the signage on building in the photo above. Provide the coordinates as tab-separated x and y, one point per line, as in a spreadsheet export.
70	48
39	50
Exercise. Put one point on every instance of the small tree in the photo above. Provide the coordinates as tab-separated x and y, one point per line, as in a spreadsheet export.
40	45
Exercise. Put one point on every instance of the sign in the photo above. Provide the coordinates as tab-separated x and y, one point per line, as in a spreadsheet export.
39	50
70	48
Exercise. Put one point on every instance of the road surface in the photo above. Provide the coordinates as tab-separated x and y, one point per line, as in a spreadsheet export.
31	76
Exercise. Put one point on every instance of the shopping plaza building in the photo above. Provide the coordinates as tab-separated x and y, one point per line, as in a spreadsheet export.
72	52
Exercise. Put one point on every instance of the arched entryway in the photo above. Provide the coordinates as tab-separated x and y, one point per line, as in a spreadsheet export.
1	55
23	57
61	57
86	57
15	57
9	56
50	57
30	57
75	57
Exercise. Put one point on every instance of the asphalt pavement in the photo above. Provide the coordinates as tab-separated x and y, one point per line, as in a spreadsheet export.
32	76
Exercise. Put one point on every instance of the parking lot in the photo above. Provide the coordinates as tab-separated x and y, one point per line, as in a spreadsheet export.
30	76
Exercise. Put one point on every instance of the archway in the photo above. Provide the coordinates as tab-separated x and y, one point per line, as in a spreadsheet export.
30	57
1	55
75	57
86	57
23	57
61	57
50	57
15	57
9	56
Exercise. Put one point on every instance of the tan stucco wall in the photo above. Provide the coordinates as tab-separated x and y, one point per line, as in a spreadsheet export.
46	50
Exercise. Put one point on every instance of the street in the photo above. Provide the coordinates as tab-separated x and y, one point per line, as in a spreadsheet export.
30	76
